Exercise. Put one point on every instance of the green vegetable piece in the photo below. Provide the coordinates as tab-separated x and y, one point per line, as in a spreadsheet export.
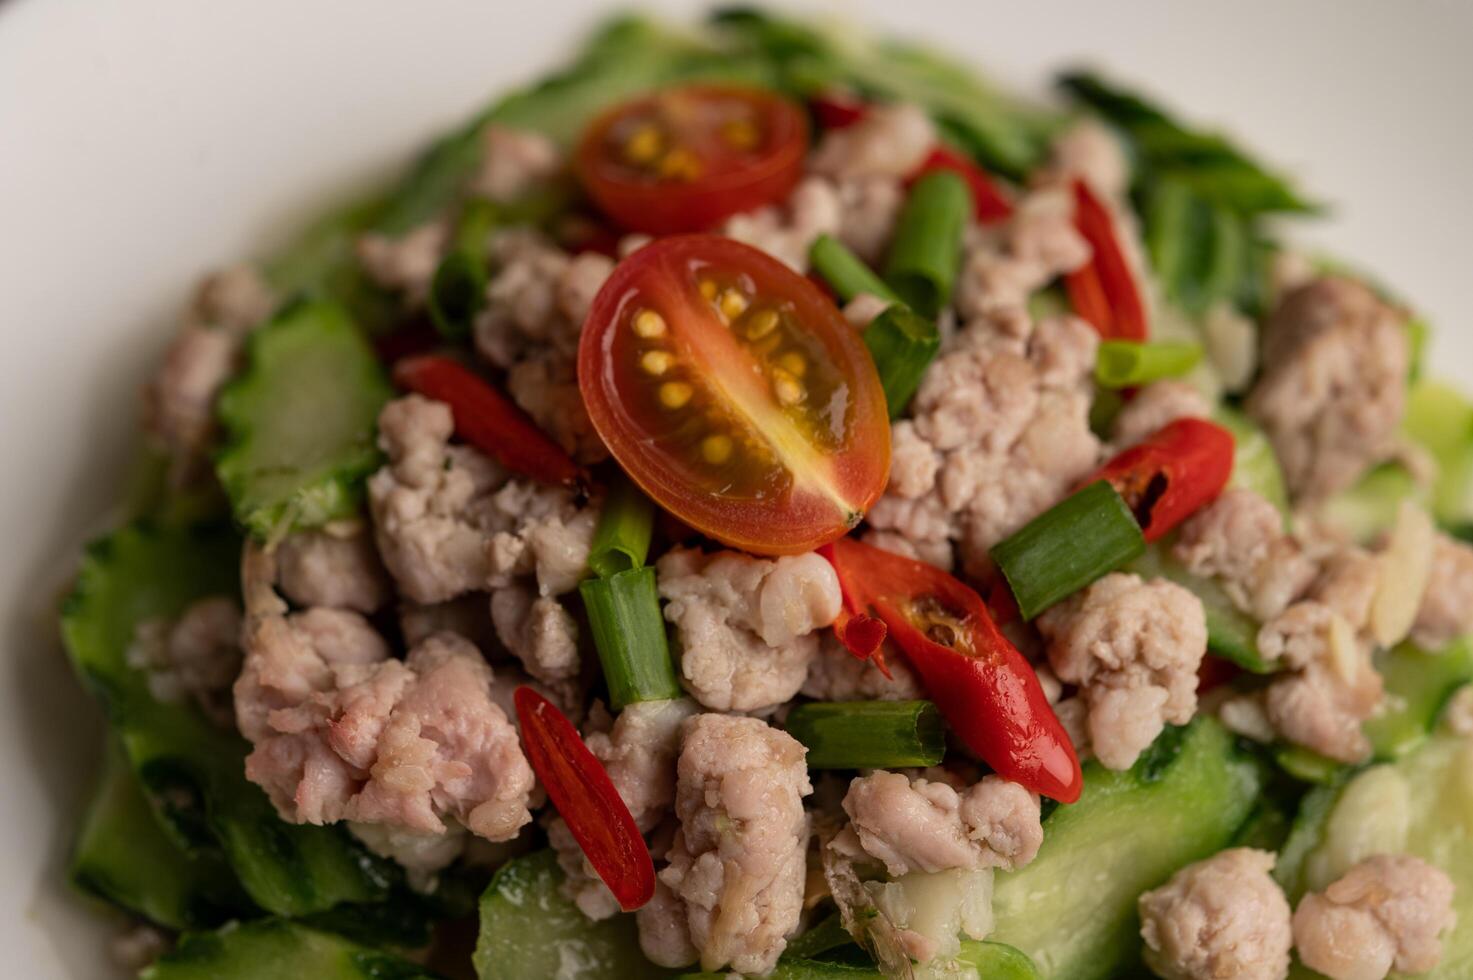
1418	684
998	961
1231	633
1367	509
299	422
926	251
530	929
796	969
869	734
845	272
1308	766
1086	535
990	960
629	633
458	289
829	934
1417	805
1440	419
278	948
125	857
1255	467
622	539
902	346
192	771
1131	364
1073	909
1198	249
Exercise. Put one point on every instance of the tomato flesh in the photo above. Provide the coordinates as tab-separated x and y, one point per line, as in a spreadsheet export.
735	394
682	159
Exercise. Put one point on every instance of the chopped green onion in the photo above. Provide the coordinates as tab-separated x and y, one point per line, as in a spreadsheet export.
1068	546
622	539
1103	411
629	634
902	346
846	272
458	289
926	253
1130	363
869	734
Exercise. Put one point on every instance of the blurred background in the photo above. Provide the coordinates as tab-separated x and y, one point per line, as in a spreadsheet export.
144	141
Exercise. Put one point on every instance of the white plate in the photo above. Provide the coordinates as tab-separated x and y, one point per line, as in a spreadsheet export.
142	142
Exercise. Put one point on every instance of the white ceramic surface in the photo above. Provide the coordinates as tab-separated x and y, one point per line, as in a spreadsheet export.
143	141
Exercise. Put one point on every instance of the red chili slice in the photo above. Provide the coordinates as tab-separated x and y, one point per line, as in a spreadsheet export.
585	797
1104	292
487	419
1167	478
987	692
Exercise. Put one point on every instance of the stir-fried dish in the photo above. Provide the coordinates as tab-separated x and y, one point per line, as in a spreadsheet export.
767	503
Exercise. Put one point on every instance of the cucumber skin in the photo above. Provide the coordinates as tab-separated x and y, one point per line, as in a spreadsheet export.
146	570
1185	799
273	948
299	421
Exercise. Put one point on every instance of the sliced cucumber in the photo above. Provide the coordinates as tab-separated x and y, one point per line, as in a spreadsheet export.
976	961
275	948
1073	909
299	421
1439	418
125	857
1423	805
192	771
530	929
1369	508
1418	684
1231	633
1255	467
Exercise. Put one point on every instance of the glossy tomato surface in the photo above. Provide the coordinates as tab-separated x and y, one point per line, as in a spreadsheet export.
735	394
682	159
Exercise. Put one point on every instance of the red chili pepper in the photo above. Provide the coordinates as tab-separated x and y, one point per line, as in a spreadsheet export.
1104	292
487	419
985	689
586	799
1167	478
1215	672
989	204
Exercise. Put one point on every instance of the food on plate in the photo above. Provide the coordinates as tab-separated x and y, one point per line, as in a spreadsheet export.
765	502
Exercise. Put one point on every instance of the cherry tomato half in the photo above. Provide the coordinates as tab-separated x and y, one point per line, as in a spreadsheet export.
684	158
735	394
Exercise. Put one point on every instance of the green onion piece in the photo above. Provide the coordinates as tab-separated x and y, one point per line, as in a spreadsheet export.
1130	364
622	539
926	253
629	633
869	734
458	289
1068	546
902	346
846	272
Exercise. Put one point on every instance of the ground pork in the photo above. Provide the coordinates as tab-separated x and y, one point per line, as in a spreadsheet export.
328	568
179	401
638	749
342	731
888	141
1333	387
1446	612
737	864
745	627
1223	918
196	656
835	674
1330	686
1384	914
1004	264
1000	433
1239	539
422	855
924	825
535	308
1133	648
786	232
1153	407
542	635
404	264
469	615
513	161
1089	150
